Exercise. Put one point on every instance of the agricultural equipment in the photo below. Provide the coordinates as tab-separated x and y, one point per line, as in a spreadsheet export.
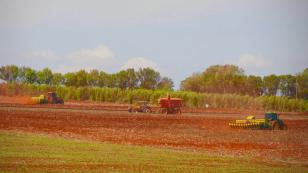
270	121
50	99
170	105
140	106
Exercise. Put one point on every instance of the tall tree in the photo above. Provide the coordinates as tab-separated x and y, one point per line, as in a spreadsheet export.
9	73
44	76
271	84
192	83
287	85
58	79
148	78
103	79
302	84
81	78
132	79
93	78
30	75
70	79
254	85
165	84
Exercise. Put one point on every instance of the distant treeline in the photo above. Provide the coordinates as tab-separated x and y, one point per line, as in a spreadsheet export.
232	79
146	78
191	99
218	79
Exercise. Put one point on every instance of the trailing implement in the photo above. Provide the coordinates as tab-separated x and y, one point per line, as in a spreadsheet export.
170	105
270	121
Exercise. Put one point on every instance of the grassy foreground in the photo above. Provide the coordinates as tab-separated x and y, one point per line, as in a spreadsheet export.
22	152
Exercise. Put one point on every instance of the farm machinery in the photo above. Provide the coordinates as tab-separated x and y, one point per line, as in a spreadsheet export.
170	105
140	106
51	98
270	121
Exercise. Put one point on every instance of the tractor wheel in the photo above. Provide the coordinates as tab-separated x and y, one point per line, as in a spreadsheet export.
164	111
147	111
275	126
284	127
180	111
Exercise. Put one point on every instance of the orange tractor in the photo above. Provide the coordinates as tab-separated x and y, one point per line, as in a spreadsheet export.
170	105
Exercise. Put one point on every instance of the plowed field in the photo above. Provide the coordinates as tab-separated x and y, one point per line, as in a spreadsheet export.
204	132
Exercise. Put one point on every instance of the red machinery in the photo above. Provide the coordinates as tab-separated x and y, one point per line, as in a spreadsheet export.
170	105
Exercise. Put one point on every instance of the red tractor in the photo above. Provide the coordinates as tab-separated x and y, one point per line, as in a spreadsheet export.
170	105
53	99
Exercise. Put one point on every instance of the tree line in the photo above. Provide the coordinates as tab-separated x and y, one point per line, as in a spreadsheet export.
231	79
145	78
220	79
191	99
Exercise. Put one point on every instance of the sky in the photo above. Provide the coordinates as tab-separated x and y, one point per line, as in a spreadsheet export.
175	37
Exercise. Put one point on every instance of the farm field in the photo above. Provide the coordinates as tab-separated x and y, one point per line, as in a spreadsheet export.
24	152
203	136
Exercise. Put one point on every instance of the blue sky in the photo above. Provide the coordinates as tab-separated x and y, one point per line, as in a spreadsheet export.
175	37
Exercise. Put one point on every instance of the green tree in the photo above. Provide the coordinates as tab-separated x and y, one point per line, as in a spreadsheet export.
122	78
93	78
193	83
254	85
58	79
30	75
148	78
216	79
287	85
165	84
221	78
44	76
103	79
302	84
81	78
70	79
132	79
271	84
9	73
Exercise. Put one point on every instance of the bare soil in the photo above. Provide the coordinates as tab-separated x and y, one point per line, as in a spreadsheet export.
207	132
197	129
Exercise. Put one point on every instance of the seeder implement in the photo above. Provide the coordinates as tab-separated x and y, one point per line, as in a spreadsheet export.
270	121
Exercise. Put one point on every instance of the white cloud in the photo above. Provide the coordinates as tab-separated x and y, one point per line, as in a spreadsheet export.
97	55
100	57
140	62
247	61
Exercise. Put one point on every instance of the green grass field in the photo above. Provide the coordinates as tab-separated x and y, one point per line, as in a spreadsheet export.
24	152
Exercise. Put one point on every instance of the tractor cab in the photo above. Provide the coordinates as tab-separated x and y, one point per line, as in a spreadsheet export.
271	116
53	99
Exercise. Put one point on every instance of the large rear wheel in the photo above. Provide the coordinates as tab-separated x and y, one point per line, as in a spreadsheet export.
148	110
276	126
284	127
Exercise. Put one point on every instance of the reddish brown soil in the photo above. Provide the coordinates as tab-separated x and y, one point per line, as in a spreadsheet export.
204	132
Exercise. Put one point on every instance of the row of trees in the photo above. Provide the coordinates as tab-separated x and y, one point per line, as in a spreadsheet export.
191	99
232	79
223	79
146	78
